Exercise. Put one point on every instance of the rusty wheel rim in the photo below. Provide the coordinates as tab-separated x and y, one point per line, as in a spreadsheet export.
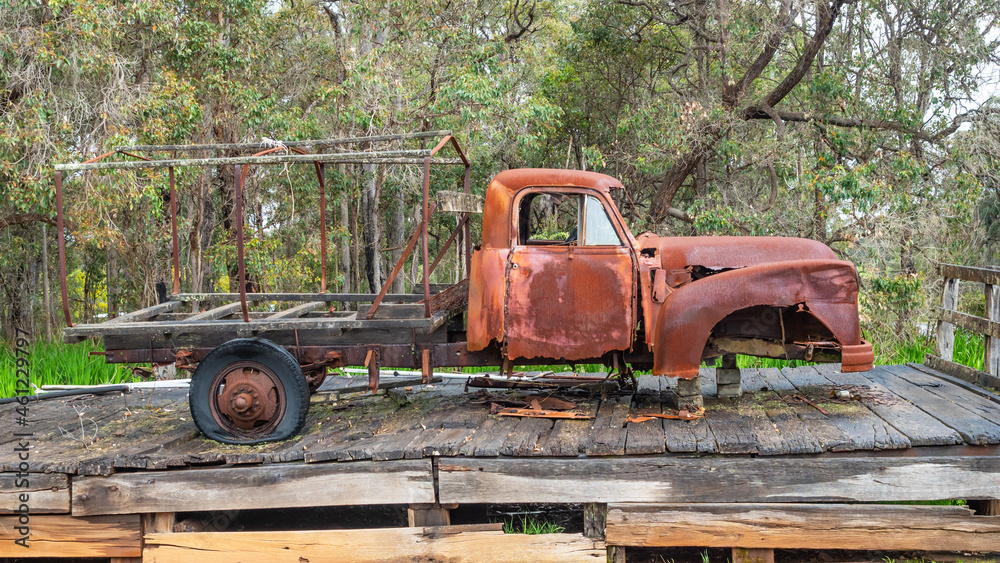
247	399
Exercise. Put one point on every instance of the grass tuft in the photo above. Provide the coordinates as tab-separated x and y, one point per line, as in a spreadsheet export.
530	525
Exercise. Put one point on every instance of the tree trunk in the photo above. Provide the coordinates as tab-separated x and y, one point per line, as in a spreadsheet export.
371	232
345	223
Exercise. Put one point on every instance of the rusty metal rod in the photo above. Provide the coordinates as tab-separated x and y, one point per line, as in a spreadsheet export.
307	143
61	237
173	232
240	263
219	161
447	243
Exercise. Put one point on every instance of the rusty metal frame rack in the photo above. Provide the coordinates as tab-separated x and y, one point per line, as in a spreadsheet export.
263	156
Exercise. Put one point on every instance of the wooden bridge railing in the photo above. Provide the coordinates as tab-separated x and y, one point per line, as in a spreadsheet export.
948	317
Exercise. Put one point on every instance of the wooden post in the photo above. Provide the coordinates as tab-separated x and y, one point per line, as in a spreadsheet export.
945	345
158	522
420	515
745	555
595	521
992	363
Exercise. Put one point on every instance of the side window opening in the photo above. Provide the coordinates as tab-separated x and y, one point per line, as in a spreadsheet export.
553	219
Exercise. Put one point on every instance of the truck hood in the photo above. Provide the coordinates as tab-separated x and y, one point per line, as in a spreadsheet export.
726	253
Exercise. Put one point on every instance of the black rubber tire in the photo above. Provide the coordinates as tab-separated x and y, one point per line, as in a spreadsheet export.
265	352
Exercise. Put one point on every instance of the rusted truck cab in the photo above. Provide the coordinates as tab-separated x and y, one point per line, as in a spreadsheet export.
559	277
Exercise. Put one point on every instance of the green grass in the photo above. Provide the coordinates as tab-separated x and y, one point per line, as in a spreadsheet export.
530	525
56	363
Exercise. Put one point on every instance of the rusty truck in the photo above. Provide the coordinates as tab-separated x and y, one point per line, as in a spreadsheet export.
557	278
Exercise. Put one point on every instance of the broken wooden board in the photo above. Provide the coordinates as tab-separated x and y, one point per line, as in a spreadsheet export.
803	526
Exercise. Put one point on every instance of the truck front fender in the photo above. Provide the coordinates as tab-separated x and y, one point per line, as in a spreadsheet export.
827	288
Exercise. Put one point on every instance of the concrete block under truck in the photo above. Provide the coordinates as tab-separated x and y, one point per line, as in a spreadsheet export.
558	278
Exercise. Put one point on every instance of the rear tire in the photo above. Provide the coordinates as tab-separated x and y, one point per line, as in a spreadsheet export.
249	391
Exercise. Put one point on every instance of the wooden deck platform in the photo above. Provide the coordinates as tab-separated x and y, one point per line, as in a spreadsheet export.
907	434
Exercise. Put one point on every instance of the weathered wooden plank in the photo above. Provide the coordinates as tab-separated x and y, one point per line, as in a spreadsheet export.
240	327
983	404
314	143
147	313
797	526
973	428
971	387
921	428
298	310
828	435
215	312
646	437
713	479
328	297
259	160
608	434
489	437
568	437
445	543
971	323
284	485
969	273
767	440
41	493
865	429
459	202
524	439
63	536
733	431
972	375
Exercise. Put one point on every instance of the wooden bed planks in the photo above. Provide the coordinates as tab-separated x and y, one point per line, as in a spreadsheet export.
974	428
265	486
802	526
919	427
866	430
714	479
445	543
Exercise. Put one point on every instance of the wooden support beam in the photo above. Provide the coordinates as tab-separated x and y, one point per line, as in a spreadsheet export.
63	536
802	526
48	493
674	479
298	310
268	486
344	297
215	313
447	543
970	323
314	143
968	273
